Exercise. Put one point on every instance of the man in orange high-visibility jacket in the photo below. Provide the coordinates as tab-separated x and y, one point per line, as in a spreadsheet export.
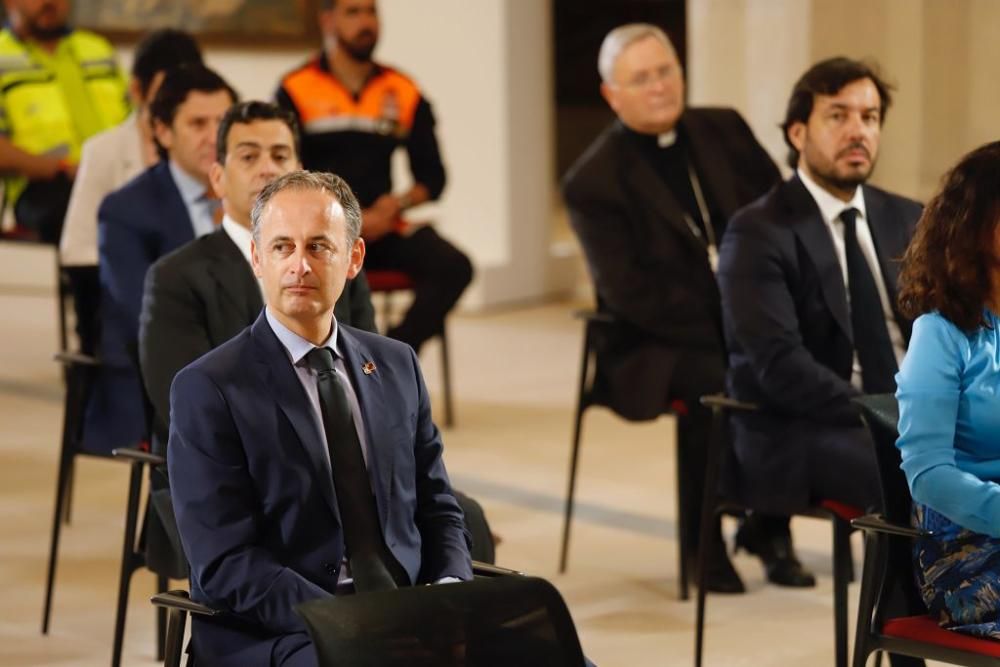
354	113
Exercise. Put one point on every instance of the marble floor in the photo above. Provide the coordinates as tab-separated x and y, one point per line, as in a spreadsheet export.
515	375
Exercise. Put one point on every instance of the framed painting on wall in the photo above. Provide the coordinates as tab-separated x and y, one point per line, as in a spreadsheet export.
235	22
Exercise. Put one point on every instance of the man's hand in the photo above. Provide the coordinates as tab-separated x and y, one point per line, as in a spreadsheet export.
380	218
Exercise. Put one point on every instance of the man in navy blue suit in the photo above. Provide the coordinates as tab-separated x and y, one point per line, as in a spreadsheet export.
268	518
160	210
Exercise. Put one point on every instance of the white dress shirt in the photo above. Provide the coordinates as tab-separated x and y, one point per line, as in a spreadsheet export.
830	208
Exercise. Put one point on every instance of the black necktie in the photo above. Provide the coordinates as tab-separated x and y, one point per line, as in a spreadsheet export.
366	550
871	337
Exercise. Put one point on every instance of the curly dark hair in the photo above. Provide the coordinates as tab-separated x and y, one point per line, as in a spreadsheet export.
948	264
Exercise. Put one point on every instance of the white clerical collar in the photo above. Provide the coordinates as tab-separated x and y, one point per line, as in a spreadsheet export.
831	207
239	235
666	139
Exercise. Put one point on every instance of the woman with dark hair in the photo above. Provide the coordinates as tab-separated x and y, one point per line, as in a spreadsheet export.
949	395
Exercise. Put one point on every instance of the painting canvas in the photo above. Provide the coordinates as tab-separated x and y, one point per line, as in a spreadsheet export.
234	21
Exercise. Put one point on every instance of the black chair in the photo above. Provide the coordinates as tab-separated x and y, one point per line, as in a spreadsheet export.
397	627
387	282
887	581
79	373
839	515
587	397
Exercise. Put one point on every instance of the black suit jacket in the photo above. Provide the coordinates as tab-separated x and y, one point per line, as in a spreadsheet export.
200	296
788	330
648	268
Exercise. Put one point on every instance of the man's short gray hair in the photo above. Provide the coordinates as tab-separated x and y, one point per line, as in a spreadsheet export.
332	184
621	37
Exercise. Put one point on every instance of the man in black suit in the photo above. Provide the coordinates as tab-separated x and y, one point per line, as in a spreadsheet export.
649	201
808	281
204	293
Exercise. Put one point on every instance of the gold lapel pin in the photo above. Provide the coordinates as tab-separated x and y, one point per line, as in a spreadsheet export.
368	367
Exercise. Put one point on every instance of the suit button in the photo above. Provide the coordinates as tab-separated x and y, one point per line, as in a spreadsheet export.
330	569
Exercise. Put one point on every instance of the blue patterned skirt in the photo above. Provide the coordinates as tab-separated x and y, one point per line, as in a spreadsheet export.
958	573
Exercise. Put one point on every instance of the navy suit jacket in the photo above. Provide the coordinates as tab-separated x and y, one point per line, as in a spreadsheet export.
788	331
137	224
253	491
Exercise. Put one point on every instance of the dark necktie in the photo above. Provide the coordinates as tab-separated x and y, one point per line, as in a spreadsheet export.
871	337
366	550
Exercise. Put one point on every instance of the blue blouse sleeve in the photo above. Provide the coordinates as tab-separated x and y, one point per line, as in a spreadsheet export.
929	393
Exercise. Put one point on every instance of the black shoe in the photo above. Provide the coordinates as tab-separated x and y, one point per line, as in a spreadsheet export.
720	575
773	545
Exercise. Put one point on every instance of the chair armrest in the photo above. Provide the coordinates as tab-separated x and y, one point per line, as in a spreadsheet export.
877	524
75	359
137	455
725	403
181	600
594	316
487	570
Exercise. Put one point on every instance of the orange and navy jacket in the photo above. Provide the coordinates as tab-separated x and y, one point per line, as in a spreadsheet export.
354	136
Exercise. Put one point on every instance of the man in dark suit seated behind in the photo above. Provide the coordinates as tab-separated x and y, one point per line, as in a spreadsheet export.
158	211
205	292
808	280
302	452
649	202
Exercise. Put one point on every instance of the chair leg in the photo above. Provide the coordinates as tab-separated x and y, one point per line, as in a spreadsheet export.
161	618
63	478
176	620
709	516
683	548
129	561
67	509
571	490
841	577
581	406
449	421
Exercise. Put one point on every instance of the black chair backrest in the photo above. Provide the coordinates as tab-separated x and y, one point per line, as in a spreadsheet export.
488	622
880	413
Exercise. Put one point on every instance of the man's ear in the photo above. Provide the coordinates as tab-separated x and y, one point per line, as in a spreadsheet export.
255	257
163	133
357	258
797	135
215	178
609	94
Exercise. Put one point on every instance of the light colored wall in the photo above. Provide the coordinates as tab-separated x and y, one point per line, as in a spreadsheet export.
943	56
486	68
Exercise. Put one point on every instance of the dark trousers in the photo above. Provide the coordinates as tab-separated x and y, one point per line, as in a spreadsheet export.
440	273
85	286
696	373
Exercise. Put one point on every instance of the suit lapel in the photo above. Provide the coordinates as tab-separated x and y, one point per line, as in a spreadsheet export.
277	374
890	238
232	274
647	186
808	224
717	184
370	392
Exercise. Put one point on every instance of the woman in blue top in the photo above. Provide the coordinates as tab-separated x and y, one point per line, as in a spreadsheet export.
949	395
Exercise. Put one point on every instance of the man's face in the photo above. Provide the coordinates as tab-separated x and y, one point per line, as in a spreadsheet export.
838	145
256	154
303	258
647	87
190	139
42	20
353	25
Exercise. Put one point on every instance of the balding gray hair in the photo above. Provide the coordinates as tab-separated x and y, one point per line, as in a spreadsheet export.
619	39
332	184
